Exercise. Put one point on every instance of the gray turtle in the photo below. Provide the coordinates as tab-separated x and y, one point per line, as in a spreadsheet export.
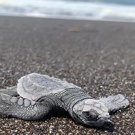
36	95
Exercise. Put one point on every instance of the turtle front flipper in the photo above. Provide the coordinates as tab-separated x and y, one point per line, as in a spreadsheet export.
114	103
19	107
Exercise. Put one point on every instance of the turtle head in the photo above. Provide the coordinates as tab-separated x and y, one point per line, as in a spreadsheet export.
91	112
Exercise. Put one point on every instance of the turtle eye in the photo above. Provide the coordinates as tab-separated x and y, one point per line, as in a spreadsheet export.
86	114
90	115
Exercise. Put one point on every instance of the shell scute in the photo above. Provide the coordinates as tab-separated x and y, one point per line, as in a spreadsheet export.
34	86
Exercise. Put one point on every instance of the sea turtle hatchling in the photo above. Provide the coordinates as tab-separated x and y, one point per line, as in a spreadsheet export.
36	95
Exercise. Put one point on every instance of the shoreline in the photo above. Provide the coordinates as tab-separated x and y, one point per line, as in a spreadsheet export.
69	18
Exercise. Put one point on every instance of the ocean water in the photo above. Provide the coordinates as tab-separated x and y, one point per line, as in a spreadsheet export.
113	10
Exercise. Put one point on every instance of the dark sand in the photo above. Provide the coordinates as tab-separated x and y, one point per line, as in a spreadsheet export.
98	56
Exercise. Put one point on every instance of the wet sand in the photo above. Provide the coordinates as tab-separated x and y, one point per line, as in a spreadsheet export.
98	56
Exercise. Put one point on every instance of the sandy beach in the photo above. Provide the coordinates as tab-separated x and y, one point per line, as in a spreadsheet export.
98	56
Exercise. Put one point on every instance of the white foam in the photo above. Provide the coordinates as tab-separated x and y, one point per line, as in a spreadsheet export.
67	9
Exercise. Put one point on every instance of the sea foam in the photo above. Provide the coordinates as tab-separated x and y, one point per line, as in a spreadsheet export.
85	10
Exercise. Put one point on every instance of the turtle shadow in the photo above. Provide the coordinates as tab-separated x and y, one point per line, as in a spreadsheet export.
57	112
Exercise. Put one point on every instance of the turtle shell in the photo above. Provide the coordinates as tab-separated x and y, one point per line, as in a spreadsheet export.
33	86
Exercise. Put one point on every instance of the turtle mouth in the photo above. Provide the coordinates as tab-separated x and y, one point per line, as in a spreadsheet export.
100	122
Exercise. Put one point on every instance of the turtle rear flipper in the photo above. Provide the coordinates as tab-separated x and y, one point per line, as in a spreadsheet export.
16	106
116	102
12	91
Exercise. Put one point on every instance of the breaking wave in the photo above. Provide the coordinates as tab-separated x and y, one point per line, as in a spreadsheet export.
82	9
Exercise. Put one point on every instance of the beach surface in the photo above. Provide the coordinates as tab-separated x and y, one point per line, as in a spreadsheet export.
98	56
